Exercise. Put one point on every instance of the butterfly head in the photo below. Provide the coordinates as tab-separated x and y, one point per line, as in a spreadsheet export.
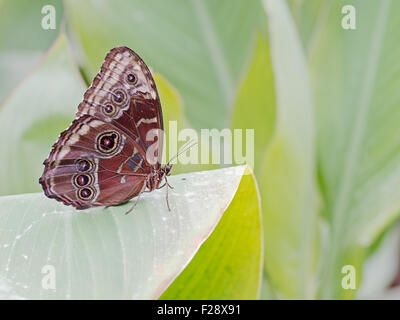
155	179
164	172
167	170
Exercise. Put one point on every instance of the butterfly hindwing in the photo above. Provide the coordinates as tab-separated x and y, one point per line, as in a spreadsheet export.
94	164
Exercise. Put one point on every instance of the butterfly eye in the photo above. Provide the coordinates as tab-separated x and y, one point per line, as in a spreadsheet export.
82	180
109	109
83	165
85	193
107	142
131	78
119	97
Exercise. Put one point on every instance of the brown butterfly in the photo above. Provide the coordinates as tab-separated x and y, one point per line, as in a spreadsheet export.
112	151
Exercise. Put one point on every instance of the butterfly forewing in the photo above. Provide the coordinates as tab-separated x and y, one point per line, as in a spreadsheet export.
124	92
101	158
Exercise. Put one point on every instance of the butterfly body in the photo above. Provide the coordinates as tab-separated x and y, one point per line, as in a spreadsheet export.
156	177
111	151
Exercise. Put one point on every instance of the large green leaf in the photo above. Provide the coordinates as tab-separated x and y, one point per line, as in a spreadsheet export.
288	187
231	259
48	99
103	253
257	93
200	46
23	41
356	80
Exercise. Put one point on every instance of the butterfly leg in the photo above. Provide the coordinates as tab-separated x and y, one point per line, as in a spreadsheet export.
168	186
137	199
160	187
165	183
169	209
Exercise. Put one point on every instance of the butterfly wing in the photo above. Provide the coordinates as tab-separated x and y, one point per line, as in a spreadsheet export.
93	164
101	158
124	93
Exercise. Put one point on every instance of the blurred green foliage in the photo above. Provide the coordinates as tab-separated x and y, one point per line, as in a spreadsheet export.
200	46
323	101
23	42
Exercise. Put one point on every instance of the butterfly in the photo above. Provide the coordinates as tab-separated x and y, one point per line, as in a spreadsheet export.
112	150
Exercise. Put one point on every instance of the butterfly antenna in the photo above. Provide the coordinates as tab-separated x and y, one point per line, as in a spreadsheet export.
183	149
185	145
